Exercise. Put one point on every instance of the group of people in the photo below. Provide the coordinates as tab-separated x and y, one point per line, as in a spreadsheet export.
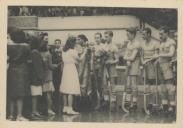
53	11
81	70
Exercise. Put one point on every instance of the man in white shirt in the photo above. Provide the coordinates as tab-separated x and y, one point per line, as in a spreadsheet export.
166	52
150	48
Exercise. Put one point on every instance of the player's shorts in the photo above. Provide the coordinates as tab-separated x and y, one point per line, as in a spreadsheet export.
134	69
48	87
36	90
165	71
112	70
150	71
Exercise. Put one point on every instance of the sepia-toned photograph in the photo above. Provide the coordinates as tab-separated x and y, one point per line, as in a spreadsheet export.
91	64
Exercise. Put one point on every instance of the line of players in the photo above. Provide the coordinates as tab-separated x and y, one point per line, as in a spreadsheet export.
158	58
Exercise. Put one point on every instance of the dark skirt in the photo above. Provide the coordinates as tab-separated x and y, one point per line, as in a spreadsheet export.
18	81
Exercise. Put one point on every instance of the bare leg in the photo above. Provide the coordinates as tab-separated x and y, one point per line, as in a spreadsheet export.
20	117
65	99
49	100
19	106
70	100
171	95
34	104
70	103
134	88
128	89
12	106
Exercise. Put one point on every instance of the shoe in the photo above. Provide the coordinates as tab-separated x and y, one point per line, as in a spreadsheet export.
164	110
133	108
150	108
10	118
36	116
65	109
72	112
97	108
171	111
21	118
51	113
127	105
155	110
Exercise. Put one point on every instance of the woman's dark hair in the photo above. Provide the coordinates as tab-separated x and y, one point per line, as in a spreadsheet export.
83	37
148	30
43	44
17	35
110	33
34	43
42	35
70	43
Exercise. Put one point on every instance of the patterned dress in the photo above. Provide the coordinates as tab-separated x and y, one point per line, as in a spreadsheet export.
18	71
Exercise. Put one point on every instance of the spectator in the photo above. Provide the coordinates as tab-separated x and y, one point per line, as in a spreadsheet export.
17	74
24	11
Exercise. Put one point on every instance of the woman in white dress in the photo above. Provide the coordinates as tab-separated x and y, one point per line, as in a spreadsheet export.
70	85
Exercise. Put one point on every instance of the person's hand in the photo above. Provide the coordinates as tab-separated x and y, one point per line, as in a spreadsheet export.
156	56
143	62
109	62
156	62
128	63
55	65
83	91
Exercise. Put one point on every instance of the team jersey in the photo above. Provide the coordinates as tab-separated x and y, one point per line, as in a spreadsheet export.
111	49
149	49
131	47
165	48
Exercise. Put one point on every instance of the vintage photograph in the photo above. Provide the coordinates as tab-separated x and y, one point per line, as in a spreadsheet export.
91	64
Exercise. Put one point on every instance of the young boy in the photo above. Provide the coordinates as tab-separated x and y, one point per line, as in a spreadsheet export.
132	56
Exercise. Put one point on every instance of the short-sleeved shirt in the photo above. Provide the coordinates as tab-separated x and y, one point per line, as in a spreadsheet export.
111	49
131	47
134	68
165	48
70	56
97	59
149	49
98	48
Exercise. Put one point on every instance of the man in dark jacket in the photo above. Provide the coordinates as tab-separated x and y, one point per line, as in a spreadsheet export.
57	72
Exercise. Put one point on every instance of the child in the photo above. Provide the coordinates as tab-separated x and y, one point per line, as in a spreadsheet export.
70	85
48	87
133	63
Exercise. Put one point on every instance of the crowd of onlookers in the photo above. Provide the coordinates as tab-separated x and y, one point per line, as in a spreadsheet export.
64	11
